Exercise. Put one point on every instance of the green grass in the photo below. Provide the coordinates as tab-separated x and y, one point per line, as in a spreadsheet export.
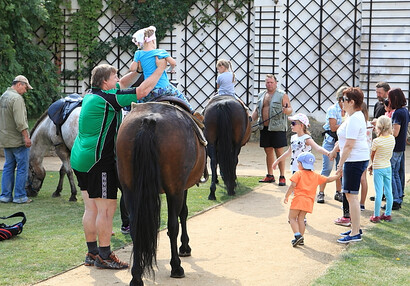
53	241
382	258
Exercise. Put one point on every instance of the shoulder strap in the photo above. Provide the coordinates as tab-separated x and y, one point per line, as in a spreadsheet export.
16	215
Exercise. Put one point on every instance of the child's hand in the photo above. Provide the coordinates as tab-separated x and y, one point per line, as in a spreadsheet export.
275	164
285	200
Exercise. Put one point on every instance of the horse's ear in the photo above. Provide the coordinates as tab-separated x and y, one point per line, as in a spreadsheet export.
133	105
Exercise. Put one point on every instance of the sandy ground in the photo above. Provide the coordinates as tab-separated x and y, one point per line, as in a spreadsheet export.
243	242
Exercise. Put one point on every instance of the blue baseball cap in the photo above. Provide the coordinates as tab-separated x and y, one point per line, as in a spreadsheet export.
307	159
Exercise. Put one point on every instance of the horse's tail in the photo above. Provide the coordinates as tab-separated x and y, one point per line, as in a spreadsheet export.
145	204
225	148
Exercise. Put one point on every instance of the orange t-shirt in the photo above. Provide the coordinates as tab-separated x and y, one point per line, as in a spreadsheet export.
305	190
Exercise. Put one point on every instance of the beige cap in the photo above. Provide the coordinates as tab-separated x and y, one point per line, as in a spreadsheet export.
22	78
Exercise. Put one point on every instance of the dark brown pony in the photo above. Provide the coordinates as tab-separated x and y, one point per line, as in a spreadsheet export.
158	152
227	129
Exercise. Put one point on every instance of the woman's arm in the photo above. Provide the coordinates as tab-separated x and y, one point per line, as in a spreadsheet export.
347	149
396	129
333	124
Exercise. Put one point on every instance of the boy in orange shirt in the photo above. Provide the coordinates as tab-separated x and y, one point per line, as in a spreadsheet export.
303	185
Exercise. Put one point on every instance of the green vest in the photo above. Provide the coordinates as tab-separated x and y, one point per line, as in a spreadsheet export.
278	120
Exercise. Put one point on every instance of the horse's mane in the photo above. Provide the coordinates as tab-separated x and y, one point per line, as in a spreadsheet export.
38	122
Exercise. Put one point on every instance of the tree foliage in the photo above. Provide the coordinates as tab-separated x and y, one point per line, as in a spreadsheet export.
20	55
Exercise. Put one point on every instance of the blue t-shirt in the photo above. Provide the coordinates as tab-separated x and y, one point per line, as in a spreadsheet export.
401	117
226	86
147	60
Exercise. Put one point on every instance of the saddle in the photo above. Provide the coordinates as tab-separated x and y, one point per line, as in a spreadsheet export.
179	104
61	109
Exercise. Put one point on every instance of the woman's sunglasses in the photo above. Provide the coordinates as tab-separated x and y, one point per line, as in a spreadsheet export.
293	123
344	98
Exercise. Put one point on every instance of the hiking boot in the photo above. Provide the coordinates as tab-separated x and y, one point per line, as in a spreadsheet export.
268	179
111	263
321	198
125	229
339	196
375	219
89	259
298	239
350	231
349	238
396	206
282	181
385	217
344	221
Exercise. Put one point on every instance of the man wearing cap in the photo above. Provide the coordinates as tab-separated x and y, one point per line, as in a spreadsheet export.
15	140
272	110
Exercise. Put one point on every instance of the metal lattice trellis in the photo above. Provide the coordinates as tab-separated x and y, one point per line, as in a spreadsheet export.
200	51
322	50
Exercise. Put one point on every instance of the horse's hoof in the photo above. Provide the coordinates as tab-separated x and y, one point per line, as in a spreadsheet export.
72	199
184	254
211	198
32	194
232	193
56	195
179	273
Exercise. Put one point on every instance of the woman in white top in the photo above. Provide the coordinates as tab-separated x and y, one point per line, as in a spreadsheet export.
354	156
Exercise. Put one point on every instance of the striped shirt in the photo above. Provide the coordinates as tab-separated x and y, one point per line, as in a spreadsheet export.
383	146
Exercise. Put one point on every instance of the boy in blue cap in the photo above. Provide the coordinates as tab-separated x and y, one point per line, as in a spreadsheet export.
303	185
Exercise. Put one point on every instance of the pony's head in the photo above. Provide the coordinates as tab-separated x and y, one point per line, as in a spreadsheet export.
35	180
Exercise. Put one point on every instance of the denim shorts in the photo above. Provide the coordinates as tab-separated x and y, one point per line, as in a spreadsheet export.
352	172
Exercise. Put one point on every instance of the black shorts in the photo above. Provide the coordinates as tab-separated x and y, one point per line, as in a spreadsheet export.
275	139
98	183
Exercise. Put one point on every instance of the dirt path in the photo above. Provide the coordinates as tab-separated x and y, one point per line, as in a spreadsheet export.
243	242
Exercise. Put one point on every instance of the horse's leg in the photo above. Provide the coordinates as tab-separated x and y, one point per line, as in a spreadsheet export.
64	154
57	192
184	250
212	156
175	203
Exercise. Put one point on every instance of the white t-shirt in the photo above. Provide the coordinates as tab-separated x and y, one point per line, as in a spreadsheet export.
354	127
298	145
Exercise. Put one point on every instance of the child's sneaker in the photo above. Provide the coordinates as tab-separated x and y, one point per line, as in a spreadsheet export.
298	239
125	229
362	208
385	217
349	232
349	238
375	219
344	221
339	196
321	198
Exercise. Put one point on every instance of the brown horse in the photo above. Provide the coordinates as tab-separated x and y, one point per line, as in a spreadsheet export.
227	129
158	152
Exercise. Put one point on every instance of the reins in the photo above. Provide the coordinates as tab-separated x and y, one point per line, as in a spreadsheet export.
257	124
